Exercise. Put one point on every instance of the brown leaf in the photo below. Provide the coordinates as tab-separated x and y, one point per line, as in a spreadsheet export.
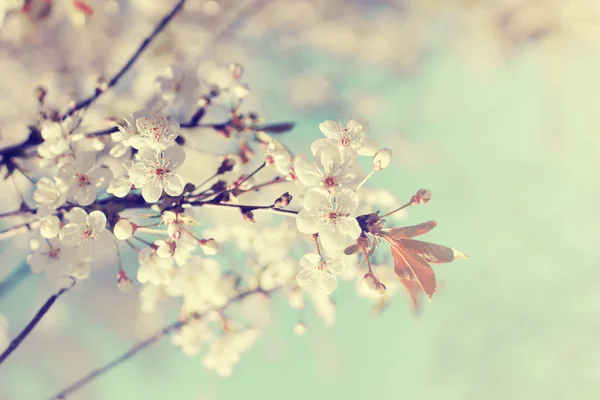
405	260
413	290
412	231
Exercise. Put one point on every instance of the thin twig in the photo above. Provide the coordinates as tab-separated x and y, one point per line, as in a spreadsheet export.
42	311
147	342
145	43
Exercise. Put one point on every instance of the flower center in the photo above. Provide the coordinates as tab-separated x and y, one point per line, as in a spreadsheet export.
88	233
321	265
329	182
332	215
345	141
53	253
161	172
82	180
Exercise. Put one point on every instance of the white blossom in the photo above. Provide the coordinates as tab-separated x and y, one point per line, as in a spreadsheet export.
123	229
56	138
348	139
83	178
56	259
329	215
320	274
86	232
224	352
154	173
278	157
120	185
382	159
154	269
124	135
156	132
331	172
49	195
192	336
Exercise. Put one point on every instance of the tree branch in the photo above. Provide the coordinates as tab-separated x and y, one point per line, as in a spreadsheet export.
145	43
42	311
147	342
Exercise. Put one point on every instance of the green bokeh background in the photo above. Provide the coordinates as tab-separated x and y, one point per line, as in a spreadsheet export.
510	153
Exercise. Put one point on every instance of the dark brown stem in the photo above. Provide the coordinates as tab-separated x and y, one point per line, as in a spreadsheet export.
145	43
145	343
25	332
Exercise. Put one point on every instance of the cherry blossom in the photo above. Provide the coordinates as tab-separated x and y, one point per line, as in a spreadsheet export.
318	273
349	139
49	195
329	215
83	178
120	185
125	134
224	352
154	173
332	173
278	157
54	258
154	269
156	132
86	232
56	138
193	336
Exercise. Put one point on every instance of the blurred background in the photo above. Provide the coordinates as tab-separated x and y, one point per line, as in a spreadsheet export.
492	105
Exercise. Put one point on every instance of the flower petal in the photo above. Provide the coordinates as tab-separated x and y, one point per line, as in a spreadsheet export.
70	234
306	278
152	191
139	174
349	226
173	185
327	282
307	173
307	222
310	261
100	177
175	155
97	221
77	216
85	161
84	195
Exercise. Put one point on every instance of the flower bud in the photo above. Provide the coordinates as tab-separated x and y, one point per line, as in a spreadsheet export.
226	166
101	85
382	159
296	300
236	71
50	226
283	201
248	216
369	281
380	289
123	229
210	247
123	282
423	196
300	328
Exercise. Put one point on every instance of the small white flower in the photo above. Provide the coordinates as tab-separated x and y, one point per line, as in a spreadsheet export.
210	247
349	139
87	232
329	215
84	178
192	336
333	173
277	156
124	135
225	351
56	138
150	296
154	269
49	194
120	185
155	172
156	132
318	273
52	257
179	85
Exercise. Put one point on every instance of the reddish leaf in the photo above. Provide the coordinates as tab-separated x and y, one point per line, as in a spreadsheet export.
430	252
414	291
404	260
412	231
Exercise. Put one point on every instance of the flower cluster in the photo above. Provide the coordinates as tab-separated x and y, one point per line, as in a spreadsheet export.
140	188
